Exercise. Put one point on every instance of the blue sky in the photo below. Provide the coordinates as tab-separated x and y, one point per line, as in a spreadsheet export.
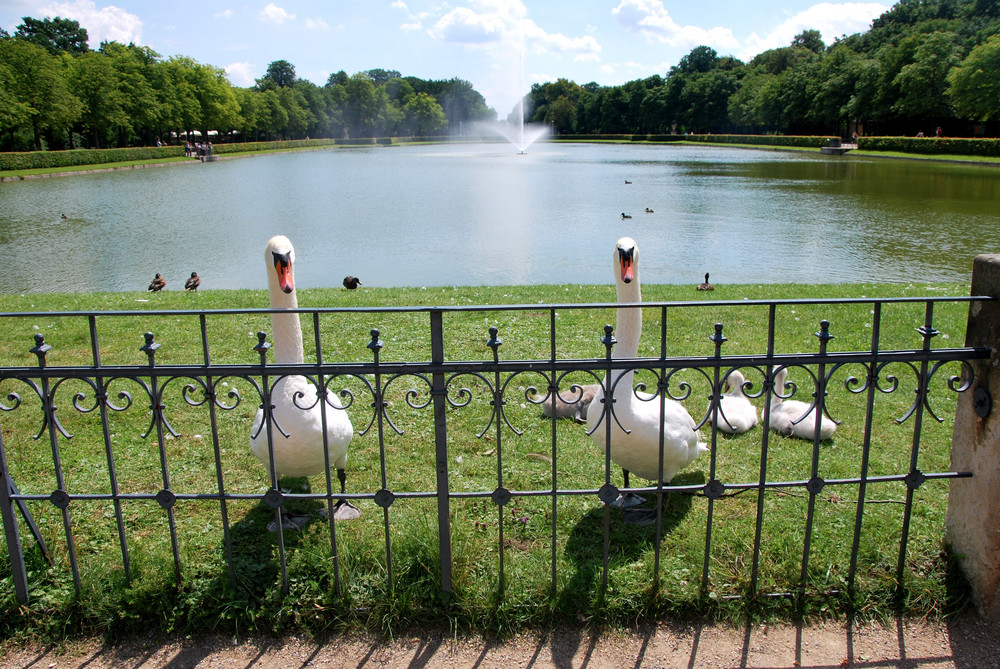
501	46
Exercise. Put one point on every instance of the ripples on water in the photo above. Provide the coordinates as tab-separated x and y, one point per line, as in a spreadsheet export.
479	214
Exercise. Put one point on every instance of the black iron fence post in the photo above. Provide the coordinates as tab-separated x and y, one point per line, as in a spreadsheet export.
440	401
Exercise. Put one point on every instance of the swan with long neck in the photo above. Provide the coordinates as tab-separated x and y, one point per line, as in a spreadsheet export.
636	449
297	429
736	414
794	418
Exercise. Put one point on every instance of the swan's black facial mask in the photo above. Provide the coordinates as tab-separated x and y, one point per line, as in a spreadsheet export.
283	267
626	258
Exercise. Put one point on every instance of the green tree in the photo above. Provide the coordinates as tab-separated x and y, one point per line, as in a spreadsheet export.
361	105
425	116
809	39
923	84
279	74
37	80
56	35
96	84
975	84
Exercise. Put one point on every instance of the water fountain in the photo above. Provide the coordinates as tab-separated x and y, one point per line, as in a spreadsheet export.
521	134
517	132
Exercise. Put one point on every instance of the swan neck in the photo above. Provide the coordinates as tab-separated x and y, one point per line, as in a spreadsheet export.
628	328
286	328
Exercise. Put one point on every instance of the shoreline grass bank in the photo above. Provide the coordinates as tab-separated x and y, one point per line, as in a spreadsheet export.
42	173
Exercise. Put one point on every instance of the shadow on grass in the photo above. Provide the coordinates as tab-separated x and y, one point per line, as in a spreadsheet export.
626	544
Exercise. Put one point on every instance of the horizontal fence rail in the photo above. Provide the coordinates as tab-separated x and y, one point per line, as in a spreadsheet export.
112	395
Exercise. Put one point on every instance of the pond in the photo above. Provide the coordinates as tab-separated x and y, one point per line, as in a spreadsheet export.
477	214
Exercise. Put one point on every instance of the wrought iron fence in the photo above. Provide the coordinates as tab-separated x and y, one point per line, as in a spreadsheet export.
379	392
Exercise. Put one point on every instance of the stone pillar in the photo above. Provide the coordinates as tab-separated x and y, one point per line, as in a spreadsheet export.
973	520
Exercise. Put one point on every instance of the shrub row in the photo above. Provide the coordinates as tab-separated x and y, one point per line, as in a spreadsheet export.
932	145
48	159
802	141
45	159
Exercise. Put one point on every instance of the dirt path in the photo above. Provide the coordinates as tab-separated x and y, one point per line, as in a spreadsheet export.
967	643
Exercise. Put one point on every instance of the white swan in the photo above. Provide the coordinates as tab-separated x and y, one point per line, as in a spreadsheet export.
297	433
788	417
638	450
736	414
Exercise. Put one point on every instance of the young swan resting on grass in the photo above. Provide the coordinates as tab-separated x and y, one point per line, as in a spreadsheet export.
736	414
636	449
794	418
297	429
570	409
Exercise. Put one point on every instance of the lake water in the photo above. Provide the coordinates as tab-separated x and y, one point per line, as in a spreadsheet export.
479	214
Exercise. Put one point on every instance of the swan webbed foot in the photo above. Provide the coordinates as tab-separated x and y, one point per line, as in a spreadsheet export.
640	517
628	500
344	510
295	523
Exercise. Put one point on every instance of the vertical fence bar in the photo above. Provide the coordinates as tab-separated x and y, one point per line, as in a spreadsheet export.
11	534
109	454
866	446
554	388
816	483
438	395
59	497
273	496
713	488
210	395
914	478
321	394
609	399
385	497
500	494
165	497
765	435
659	479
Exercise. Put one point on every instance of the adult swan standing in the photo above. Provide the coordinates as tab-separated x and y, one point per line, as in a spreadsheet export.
636	448
297	428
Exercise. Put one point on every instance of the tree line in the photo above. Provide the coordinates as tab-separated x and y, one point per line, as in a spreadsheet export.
56	93
923	64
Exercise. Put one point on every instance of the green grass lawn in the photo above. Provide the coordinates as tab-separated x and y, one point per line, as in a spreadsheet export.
484	597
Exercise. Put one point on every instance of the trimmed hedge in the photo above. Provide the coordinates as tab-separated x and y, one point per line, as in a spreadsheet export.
48	159
45	159
802	141
932	145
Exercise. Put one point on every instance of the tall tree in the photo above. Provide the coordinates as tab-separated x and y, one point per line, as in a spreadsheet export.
975	84
96	83
37	80
56	35
279	74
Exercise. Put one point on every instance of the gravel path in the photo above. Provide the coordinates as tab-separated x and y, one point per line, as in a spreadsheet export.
966	643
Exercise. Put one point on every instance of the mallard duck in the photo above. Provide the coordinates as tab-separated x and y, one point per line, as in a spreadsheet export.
158	284
193	282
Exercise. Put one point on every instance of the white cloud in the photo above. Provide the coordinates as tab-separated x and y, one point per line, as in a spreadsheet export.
316	24
106	24
224	14
275	14
411	27
832	20
468	27
240	74
650	18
